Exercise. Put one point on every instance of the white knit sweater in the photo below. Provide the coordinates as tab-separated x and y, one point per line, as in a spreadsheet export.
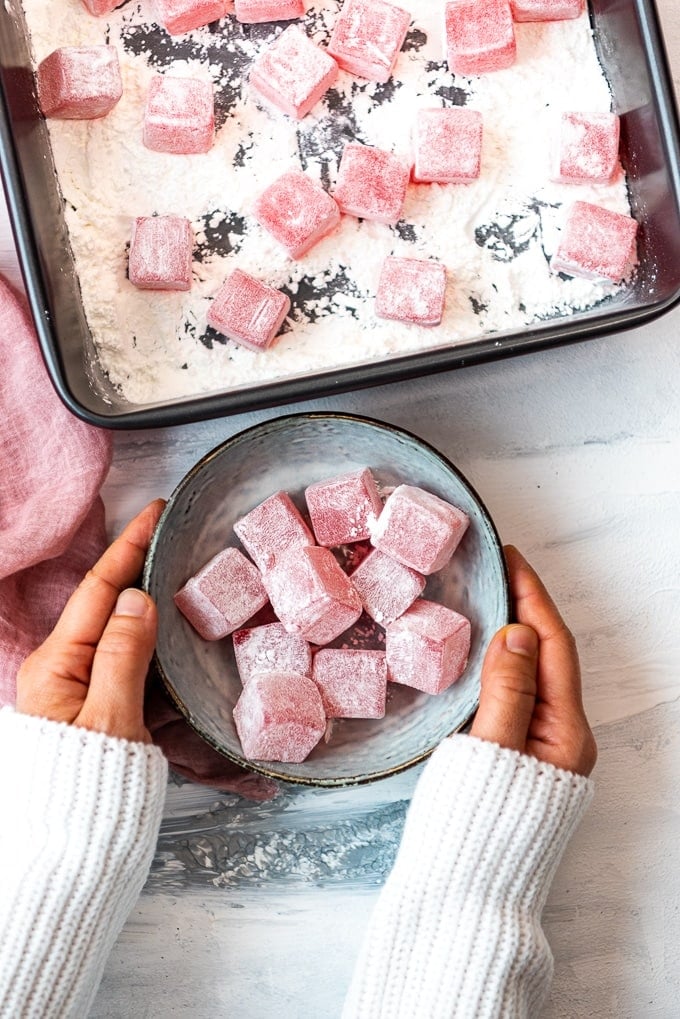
456	931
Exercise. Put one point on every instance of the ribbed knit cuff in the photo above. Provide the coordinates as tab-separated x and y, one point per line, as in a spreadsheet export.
456	931
80	818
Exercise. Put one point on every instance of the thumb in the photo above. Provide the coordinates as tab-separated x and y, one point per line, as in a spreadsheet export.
508	694
115	699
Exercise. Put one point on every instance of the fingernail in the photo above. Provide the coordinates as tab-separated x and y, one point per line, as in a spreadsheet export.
131	603
521	640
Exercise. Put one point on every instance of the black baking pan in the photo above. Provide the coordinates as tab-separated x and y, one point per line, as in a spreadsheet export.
631	49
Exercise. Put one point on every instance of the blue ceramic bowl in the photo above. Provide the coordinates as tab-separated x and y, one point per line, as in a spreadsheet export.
290	453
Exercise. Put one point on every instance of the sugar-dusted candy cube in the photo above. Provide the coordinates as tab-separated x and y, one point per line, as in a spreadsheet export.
371	183
270	648
226	592
179	115
251	12
411	290
311	595
353	684
248	311
79	82
160	253
596	244
386	587
546	10
293	73
480	36
99	7
586	148
342	508
296	211
279	716
419	529
428	647
179	16
272	528
447	145
367	37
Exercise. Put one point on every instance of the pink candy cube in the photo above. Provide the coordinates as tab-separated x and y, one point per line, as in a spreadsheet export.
279	717
546	10
271	529
419	529
587	148
448	146
371	183
297	212
270	648
596	244
311	595
253	11
411	290
225	593
386	587
480	36
179	115
353	684
248	311
79	82
178	16
367	37
293	73
98	7
428	647
342	509
160	253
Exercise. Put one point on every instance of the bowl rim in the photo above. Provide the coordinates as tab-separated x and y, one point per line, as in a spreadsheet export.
267	768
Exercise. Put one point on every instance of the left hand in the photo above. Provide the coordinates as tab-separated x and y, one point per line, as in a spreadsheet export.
92	668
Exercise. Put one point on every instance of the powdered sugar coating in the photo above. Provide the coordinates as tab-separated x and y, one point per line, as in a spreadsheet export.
447	145
79	82
297	211
353	684
427	647
371	183
272	528
248	311
596	243
252	12
160	253
411	290
545	10
270	648
480	36
180	16
386	587
367	37
179	115
279	717
223	594
587	148
293	73
419	529
343	509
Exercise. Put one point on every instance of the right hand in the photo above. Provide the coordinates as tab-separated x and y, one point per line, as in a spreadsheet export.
531	681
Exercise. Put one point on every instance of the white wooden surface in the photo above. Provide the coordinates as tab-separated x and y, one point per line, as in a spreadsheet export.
257	912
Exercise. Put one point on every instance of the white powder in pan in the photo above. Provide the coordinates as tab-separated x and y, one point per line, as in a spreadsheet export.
495	236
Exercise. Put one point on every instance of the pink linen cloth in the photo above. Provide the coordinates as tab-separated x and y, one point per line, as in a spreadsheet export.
52	530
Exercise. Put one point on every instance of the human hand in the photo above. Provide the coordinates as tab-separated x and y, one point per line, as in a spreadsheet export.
91	669
531	681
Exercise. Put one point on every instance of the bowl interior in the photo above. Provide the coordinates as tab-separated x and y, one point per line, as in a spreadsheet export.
288	454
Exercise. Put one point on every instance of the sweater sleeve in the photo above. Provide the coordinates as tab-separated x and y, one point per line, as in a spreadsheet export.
79	814
457	928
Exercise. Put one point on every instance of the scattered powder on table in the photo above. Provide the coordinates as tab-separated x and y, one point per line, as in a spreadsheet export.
495	236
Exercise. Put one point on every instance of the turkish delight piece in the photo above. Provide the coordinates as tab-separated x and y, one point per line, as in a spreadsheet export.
353	684
371	183
419	529
480	36
411	290
546	10
293	73
447	146
226	592
98	7
79	82
428	647
271	528
251	12
587	148
270	648
367	37
386	587
179	115
279	716
596	244
297	212
179	16
311	595
342	508
160	253
248	311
